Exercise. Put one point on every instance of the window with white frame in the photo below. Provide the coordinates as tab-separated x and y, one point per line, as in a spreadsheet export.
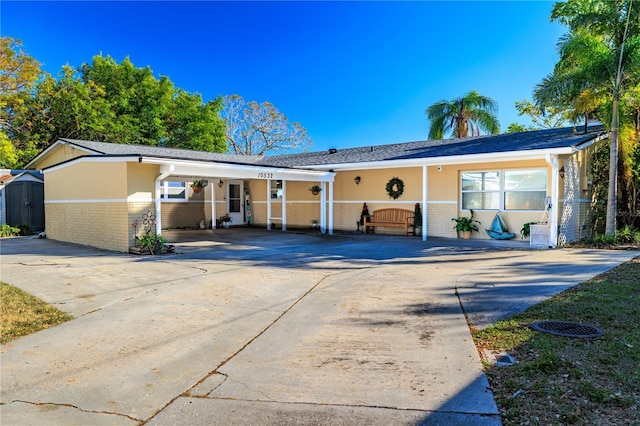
504	190
481	190
175	191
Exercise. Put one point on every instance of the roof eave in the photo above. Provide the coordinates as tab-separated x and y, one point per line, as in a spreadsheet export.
51	147
449	160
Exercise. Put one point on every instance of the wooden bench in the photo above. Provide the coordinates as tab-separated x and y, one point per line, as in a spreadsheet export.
392	218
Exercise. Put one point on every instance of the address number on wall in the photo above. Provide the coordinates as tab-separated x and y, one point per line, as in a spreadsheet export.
265	175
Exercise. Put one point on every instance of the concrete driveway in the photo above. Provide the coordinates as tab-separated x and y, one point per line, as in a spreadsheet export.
254	327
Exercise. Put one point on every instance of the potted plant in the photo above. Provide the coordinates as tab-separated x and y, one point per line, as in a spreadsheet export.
417	220
225	219
198	184
466	225
315	189
525	232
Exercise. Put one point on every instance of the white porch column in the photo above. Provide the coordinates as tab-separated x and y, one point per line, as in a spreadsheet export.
331	208
268	204
552	160
323	208
213	207
425	197
284	205
158	187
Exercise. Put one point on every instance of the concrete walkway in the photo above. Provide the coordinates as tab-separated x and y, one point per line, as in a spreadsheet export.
254	327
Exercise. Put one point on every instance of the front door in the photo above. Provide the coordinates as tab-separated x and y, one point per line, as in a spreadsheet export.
234	202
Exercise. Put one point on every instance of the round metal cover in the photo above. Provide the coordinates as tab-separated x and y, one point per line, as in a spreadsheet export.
567	329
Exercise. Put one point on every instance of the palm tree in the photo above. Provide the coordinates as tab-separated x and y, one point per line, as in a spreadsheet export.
463	117
603	52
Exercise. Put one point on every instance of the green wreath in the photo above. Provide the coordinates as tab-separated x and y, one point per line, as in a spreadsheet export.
395	187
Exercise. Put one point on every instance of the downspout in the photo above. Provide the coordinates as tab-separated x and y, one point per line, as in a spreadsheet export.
552	160
159	180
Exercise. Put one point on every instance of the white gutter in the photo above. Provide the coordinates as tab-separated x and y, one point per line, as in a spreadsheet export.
592	141
61	142
98	159
552	160
240	171
158	187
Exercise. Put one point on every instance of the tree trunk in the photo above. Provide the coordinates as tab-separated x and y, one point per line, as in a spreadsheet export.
612	198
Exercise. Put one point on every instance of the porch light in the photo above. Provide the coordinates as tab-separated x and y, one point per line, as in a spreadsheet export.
561	172
357	180
220	183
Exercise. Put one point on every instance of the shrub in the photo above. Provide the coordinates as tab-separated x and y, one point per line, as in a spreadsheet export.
8	231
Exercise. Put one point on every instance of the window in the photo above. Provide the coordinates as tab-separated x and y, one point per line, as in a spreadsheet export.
481	190
525	189
174	191
276	189
504	190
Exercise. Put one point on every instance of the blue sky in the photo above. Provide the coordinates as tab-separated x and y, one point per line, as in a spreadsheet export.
352	73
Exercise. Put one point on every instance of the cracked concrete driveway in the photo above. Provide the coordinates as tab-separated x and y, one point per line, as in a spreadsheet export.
244	327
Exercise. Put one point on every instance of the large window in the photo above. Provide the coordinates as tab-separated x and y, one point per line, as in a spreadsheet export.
504	190
175	191
525	189
481	190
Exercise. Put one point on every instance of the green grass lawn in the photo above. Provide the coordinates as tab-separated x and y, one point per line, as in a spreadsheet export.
22	313
561	380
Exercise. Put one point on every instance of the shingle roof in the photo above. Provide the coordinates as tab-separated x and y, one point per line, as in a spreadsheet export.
161	152
511	142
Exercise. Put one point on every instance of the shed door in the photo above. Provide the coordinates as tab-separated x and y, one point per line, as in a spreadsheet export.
25	204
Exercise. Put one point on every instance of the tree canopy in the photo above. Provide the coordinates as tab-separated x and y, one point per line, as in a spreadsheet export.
599	64
463	117
548	118
102	100
257	128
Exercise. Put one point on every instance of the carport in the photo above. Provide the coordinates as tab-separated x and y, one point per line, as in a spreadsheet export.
188	171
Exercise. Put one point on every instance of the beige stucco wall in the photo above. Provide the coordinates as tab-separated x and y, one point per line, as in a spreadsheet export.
96	203
443	198
86	204
58	155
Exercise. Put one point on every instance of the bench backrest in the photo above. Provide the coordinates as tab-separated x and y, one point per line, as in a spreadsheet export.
391	215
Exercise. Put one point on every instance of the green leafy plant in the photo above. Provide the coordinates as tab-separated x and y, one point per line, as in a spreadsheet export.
199	183
25	229
465	224
225	218
526	229
8	231
315	189
152	242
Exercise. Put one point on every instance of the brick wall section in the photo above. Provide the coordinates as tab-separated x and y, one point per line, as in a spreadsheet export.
135	213
101	225
439	222
186	215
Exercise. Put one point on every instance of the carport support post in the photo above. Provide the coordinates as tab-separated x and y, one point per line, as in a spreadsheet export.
552	160
158	188
331	208
323	208
268	204
213	207
425	197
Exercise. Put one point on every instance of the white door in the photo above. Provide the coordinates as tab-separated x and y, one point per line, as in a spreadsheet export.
234	202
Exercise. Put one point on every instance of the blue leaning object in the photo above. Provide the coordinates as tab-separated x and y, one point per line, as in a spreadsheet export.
499	230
